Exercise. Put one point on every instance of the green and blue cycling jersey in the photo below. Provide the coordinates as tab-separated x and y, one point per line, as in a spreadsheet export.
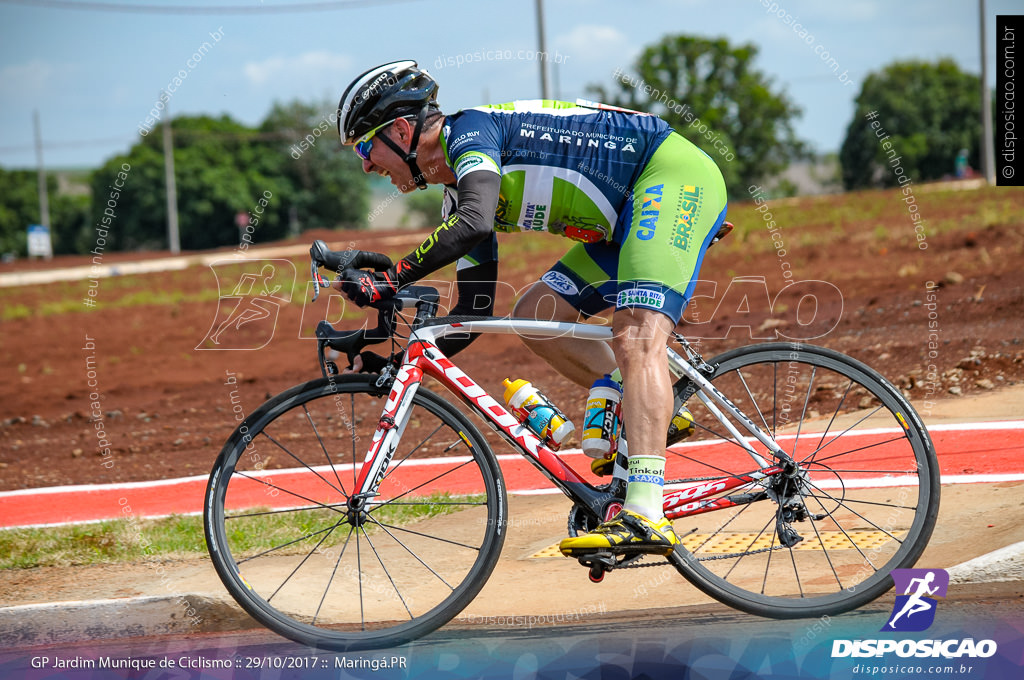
642	202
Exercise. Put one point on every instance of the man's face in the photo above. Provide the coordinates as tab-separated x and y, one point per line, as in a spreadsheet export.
386	163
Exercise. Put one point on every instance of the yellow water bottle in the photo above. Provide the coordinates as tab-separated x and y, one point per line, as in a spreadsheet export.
537	412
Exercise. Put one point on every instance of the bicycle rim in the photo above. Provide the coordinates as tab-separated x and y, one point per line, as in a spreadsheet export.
869	487
288	542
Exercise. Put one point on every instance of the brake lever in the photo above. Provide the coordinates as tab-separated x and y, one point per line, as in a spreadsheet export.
318	280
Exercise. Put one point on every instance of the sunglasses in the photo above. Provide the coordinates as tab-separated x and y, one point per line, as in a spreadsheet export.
363	148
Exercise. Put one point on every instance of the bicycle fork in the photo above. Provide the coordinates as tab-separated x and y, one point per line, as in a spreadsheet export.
393	420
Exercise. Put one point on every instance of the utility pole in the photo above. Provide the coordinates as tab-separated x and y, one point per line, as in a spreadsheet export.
172	195
44	200
544	92
988	160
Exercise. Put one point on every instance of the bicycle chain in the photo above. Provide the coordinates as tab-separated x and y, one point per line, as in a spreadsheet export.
666	563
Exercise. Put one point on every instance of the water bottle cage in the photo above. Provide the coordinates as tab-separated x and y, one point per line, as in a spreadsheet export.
522	413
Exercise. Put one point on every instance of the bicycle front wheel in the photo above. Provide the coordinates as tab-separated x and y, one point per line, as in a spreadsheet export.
864	502
316	565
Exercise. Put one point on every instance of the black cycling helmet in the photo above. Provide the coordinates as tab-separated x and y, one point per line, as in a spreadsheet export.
380	96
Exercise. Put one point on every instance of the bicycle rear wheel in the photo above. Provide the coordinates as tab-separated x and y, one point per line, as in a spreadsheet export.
305	559
864	503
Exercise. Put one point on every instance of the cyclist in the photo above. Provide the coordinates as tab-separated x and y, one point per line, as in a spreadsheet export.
642	201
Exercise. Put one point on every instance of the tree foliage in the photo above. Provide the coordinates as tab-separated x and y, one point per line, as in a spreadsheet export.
710	92
19	207
291	162
929	112
223	168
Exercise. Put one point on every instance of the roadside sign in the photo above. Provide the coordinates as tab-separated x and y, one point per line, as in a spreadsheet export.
39	243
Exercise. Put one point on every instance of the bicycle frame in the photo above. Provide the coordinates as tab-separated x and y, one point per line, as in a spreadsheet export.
423	357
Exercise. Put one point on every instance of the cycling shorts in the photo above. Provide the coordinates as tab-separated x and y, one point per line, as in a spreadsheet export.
675	209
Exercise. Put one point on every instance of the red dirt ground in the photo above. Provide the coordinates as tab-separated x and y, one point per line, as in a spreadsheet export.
167	410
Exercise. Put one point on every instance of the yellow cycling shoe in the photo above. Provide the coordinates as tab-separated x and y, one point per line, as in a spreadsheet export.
626	532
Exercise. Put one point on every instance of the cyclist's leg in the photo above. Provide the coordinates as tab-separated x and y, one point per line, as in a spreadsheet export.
578	286
678	204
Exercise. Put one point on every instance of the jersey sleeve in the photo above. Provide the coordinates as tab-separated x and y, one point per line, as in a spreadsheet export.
473	141
460	232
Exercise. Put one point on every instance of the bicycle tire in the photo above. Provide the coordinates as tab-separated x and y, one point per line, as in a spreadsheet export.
851	549
291	549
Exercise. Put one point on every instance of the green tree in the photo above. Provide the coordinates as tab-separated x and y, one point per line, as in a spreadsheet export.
929	112
329	188
223	168
710	92
19	207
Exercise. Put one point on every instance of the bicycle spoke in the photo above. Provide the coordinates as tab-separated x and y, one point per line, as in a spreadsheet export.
835	413
848	537
352	416
734	475
796	573
285	545
825	470
860	448
429	481
879	408
857	500
803	413
415	449
278	512
430	503
753	402
824	550
323	448
388	574
359	574
290	493
435	538
408	550
334	571
302	462
842	503
299	565
749	546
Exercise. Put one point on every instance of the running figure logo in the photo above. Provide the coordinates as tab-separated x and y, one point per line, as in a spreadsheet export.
247	315
914	610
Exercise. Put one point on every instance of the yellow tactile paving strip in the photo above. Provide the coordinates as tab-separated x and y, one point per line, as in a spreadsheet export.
726	543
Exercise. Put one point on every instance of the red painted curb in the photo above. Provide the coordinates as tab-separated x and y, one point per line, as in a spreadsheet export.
977	452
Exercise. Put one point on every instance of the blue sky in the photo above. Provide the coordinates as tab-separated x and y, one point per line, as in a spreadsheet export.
94	75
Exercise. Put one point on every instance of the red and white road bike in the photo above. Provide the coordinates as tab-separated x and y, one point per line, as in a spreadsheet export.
359	511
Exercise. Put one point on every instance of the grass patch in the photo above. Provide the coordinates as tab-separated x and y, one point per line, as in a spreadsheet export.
102	542
181	536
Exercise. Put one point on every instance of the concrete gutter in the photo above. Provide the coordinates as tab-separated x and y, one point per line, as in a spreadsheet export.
1005	564
84	620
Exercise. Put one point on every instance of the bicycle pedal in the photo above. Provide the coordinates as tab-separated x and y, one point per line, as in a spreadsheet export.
602	559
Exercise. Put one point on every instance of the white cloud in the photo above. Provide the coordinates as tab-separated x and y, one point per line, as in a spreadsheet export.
595	43
30	77
313	68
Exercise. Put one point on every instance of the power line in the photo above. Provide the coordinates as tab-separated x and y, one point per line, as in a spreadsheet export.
48	146
204	9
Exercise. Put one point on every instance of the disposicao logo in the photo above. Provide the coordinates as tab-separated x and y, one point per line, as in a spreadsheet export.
914	611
